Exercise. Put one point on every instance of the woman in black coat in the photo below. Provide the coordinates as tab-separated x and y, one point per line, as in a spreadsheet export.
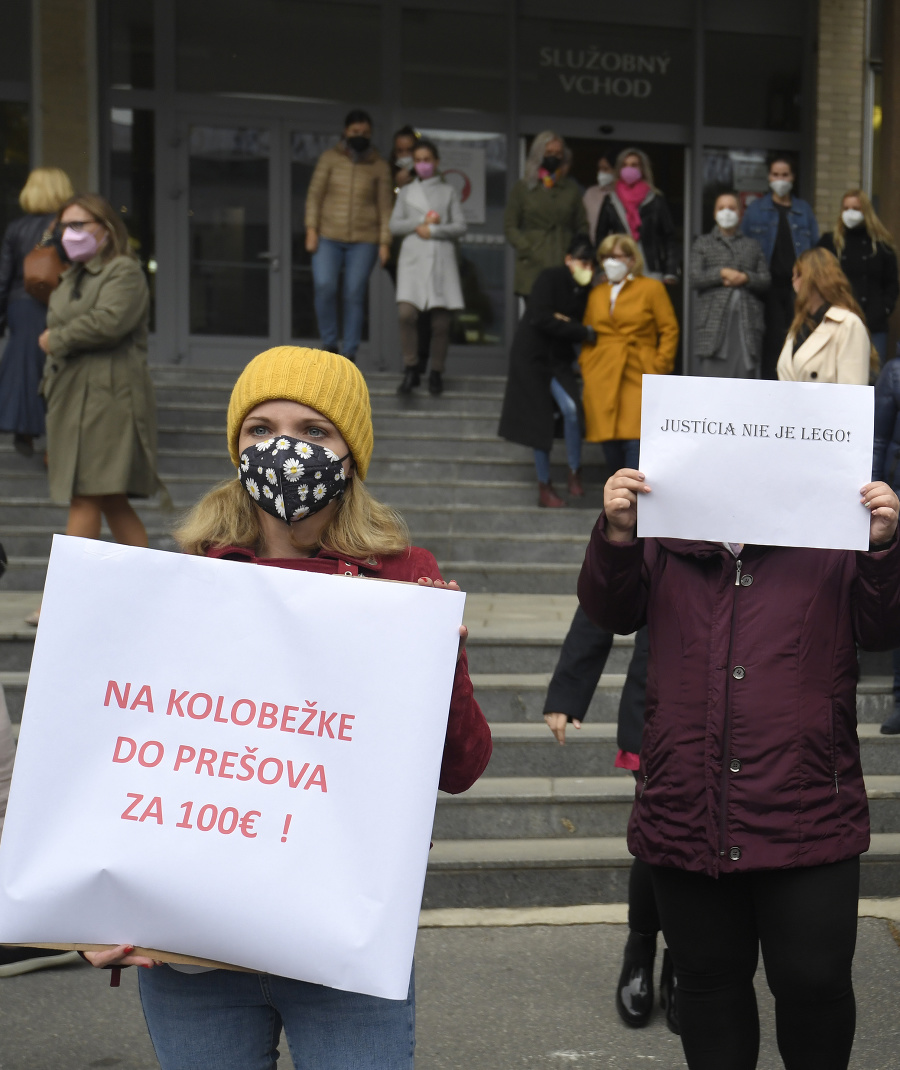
634	206
868	257
541	378
21	407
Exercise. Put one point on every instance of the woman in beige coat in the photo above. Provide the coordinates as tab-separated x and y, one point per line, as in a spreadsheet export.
101	411
827	341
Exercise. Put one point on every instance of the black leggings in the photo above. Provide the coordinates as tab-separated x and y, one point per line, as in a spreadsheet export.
805	922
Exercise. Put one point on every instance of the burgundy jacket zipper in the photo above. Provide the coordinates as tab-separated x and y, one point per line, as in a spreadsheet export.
726	733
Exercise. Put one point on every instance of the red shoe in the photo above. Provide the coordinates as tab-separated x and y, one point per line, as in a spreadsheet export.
548	498
576	490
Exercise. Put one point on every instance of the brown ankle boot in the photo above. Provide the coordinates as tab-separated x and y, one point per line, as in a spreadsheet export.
576	490
548	498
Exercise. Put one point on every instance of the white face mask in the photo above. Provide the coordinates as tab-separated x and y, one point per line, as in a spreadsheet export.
727	218
781	187
852	217
615	269
605	178
405	163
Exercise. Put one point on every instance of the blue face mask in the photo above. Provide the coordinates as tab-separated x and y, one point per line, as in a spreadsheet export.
291	478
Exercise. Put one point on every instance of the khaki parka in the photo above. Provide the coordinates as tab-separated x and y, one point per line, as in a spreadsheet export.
539	223
101	408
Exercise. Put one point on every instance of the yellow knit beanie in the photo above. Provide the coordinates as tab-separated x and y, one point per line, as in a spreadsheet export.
326	382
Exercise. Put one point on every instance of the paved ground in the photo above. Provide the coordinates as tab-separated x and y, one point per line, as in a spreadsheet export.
488	999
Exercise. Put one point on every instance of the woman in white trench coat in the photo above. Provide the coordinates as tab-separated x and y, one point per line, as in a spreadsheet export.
428	216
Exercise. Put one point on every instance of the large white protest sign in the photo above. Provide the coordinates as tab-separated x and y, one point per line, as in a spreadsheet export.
768	463
227	761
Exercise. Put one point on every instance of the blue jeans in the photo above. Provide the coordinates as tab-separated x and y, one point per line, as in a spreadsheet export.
224	1020
622	453
357	260
572	430
880	341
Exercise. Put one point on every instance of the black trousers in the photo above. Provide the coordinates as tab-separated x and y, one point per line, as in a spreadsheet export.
779	311
804	920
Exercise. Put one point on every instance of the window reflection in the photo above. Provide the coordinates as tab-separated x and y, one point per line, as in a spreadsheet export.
131	44
296	50
753	81
229	231
132	186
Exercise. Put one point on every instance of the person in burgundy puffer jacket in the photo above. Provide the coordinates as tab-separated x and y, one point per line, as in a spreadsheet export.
751	808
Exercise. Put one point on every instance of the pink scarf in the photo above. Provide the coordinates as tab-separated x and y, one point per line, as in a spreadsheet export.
631	197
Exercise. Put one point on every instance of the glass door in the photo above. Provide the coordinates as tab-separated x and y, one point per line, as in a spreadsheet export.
233	226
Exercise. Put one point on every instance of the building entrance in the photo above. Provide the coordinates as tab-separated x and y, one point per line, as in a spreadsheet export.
249	275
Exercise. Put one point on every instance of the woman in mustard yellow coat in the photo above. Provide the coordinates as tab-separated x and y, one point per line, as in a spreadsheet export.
637	333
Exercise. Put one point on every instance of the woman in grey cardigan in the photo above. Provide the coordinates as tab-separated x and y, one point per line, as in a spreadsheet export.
729	273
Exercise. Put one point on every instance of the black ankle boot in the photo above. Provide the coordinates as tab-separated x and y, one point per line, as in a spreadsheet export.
410	379
435	383
634	992
668	985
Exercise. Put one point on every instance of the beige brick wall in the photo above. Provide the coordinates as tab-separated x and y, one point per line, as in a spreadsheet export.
839	106
65	90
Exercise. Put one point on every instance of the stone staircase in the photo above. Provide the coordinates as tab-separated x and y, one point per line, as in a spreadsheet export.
546	824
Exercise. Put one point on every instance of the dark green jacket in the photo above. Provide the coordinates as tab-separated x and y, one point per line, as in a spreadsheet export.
539	224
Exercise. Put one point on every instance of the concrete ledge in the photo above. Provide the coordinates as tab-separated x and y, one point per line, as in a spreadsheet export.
588	914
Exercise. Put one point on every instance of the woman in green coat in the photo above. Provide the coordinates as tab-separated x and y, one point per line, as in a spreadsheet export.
544	212
101	411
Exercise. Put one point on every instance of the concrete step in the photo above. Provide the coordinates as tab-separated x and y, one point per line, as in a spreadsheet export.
506	547
441	518
430	442
477	577
574	870
378	382
19	489
529	750
522	807
466	412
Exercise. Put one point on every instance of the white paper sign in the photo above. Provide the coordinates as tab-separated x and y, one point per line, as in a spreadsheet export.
767	463
228	761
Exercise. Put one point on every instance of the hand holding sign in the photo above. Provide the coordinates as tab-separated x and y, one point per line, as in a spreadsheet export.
883	506
620	497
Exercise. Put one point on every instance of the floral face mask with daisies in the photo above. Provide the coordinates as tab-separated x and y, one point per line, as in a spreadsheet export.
290	478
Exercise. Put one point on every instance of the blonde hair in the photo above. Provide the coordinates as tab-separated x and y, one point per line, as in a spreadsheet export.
45	189
876	230
622	241
646	166
362	527
536	154
818	268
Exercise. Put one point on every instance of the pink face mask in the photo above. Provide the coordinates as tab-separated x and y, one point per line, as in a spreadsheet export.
424	168
630	175
80	245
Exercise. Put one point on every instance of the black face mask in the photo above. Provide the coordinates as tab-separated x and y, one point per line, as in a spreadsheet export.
359	143
551	164
291	478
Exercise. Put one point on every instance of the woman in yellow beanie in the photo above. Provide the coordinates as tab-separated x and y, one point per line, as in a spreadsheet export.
300	436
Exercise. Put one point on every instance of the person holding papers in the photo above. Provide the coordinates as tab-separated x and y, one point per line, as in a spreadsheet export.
751	809
637	334
827	341
303	417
